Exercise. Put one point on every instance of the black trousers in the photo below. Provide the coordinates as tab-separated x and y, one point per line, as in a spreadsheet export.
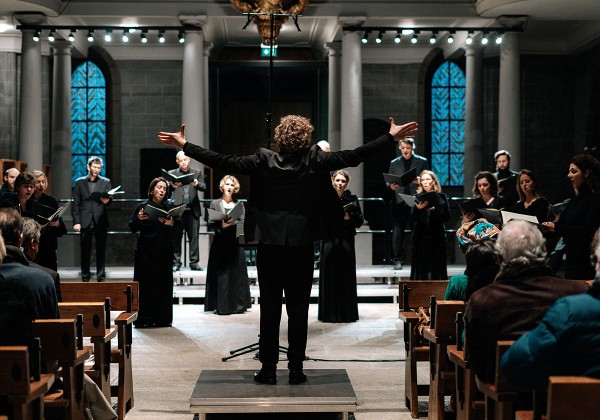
86	252
288	270
400	219
190	225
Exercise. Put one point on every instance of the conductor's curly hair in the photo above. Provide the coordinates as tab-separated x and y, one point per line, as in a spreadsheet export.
293	133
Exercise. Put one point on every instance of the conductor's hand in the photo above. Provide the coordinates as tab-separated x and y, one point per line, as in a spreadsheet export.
394	186
176	139
399	132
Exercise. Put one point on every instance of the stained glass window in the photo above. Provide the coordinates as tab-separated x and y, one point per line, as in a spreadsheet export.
88	117
448	124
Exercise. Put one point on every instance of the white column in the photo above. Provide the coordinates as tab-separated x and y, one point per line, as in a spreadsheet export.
509	110
352	111
333	132
473	116
31	148
192	102
207	48
61	120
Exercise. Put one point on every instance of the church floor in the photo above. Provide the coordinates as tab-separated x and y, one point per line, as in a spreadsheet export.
168	361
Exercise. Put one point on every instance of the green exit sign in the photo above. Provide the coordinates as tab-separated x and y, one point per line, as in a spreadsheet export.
265	50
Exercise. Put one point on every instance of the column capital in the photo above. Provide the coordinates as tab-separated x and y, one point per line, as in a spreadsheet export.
61	47
352	20
208	46
195	21
30	18
333	48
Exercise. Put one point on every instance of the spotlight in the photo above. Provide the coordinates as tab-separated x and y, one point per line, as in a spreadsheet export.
125	37
484	40
407	31
181	37
161	37
379	37
450	39
108	35
433	39
414	39
90	36
143	37
365	37
498	39
131	30
71	36
51	36
36	36
397	39
469	40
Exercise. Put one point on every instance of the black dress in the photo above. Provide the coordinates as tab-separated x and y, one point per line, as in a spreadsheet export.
429	243
337	270
227	283
47	255
539	209
153	269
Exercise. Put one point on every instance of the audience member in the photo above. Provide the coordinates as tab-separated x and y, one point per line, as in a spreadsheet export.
516	301
566	343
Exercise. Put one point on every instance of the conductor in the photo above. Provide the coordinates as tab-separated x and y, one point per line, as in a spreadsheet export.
288	193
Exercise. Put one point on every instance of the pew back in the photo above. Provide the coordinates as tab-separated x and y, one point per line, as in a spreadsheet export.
97	291
416	293
14	370
571	397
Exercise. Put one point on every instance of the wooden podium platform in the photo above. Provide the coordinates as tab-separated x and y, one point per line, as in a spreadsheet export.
233	391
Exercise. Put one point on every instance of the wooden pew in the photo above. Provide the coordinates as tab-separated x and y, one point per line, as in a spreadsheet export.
440	334
61	341
96	326
499	397
469	404
412	295
24	395
124	297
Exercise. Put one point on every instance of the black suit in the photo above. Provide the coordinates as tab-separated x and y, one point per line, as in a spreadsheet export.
289	195
89	212
400	210
190	220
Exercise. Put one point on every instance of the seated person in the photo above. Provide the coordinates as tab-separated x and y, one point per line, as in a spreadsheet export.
516	301
566	343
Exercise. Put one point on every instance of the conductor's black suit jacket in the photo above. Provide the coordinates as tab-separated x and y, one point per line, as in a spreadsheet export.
290	193
88	207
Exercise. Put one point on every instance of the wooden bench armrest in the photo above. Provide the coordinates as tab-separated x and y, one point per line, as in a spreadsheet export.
126	318
457	357
408	317
36	389
82	356
110	333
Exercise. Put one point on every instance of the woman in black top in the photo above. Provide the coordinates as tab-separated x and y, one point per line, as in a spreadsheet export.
338	300
531	202
485	190
581	218
153	259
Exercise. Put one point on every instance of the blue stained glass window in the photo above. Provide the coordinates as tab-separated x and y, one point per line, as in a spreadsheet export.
448	123
88	117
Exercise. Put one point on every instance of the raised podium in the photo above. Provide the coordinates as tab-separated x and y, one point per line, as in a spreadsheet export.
233	391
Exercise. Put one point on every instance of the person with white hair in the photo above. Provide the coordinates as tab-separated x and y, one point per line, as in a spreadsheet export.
570	327
516	301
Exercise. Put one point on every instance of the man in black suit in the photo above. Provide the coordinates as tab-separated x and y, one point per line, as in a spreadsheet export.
285	206
90	199
400	210
190	220
507	178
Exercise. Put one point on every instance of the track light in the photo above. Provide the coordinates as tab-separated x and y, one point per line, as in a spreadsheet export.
71	36
36	36
433	38
414	39
125	37
499	39
365	37
484	40
469	40
450	39
131	30
397	39
161	37
407	31
90	36
143	37
379	37
181	37
51	36
108	35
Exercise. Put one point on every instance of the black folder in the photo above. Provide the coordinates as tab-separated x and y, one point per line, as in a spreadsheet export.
403	180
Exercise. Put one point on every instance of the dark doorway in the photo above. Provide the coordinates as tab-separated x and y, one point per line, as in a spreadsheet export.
151	163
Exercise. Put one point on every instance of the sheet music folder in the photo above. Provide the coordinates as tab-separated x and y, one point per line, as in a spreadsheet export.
184	179
403	180
154	212
234	213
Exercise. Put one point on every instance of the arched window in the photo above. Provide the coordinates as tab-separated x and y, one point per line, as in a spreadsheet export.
88	117
448	123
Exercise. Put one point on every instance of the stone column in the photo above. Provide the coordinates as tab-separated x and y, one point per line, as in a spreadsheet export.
207	48
192	102
351	107
31	146
333	132
473	161
61	120
509	110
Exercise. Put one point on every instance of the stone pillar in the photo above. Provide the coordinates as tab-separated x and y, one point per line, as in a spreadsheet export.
509	110
61	120
31	146
333	132
192	96
207	48
351	107
473	161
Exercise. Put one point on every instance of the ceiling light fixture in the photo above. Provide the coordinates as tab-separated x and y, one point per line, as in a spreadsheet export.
469	40
484	39
143	37
108	35
499	39
414	39
379	37
51	36
397	39
365	38
125	37
71	36
450	38
161	37
433	38
90	36
36	36
181	37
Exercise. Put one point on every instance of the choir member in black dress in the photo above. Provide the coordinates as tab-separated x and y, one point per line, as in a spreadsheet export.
47	253
154	258
24	186
337	270
531	202
429	233
227	283
581	217
485	189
